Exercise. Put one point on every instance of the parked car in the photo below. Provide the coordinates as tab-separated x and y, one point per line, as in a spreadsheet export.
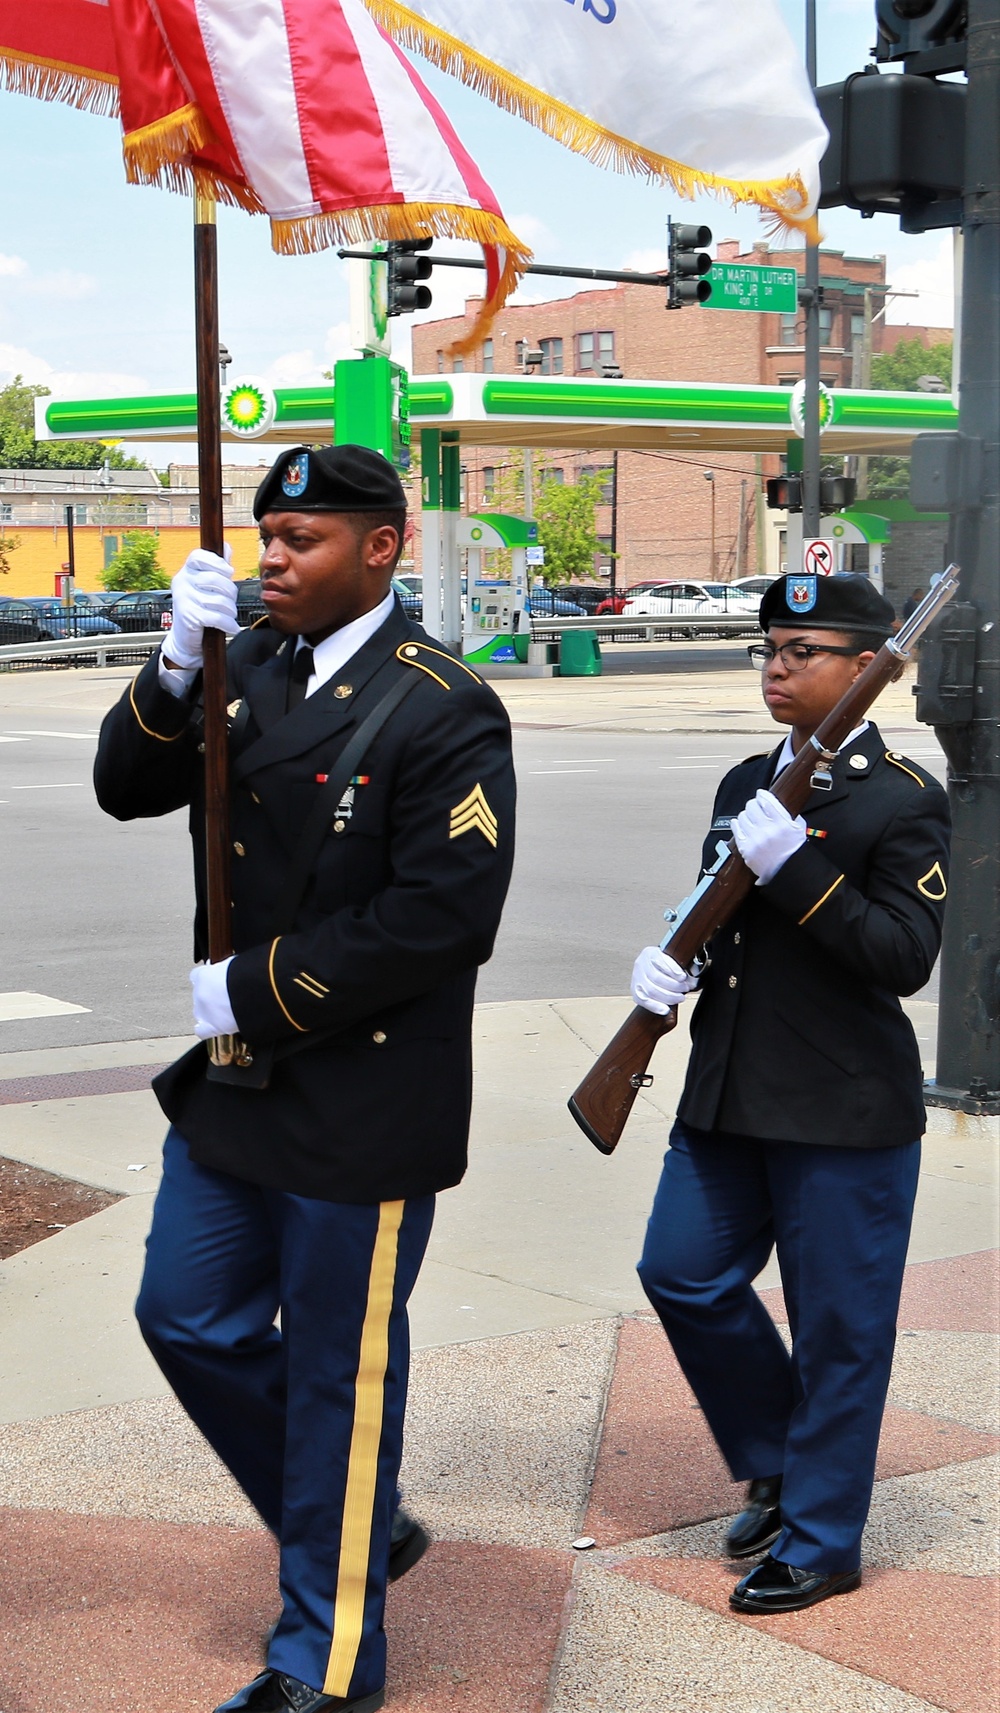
612	605
756	586
546	604
589	596
143	610
249	606
18	623
702	600
56	621
411	600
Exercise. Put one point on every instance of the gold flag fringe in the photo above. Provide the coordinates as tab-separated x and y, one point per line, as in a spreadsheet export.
161	154
51	80
783	199
304	235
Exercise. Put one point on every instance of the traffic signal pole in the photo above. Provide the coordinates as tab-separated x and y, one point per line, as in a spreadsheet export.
811	297
968	1050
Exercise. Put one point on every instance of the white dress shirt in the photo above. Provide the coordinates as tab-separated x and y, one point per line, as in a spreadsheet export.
328	656
788	754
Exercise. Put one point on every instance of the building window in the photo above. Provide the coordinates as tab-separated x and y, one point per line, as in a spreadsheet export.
194	514
604	553
489	482
593	350
520	351
79	514
458	366
554	473
789	329
857	329
552	356
606	478
6	512
825	326
463	486
487	356
440	362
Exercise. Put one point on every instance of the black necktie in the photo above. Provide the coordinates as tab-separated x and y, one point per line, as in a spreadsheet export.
298	678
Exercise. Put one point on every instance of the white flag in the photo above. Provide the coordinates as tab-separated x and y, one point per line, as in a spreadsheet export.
705	95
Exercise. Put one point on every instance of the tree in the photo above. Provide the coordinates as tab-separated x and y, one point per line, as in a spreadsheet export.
19	450
567	527
8	544
899	371
135	565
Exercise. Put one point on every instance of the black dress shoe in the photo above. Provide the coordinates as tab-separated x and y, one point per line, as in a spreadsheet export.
775	1587
407	1544
759	1524
274	1692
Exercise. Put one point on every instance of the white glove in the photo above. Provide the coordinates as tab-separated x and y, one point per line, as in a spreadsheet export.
204	598
658	983
766	835
213	1014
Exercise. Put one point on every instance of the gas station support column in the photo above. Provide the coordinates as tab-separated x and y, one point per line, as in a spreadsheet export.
451	569
430	467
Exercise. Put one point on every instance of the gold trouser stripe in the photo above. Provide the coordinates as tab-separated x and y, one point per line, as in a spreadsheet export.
274	989
819	901
172	738
362	1467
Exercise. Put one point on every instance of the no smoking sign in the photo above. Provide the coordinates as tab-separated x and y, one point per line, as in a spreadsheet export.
817	557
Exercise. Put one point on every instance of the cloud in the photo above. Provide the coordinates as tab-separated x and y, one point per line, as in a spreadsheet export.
11	267
306	368
66	383
65	285
933	278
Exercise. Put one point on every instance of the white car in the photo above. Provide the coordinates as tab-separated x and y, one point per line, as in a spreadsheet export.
701	600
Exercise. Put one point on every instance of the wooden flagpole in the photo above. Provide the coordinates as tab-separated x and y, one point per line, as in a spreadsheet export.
217	851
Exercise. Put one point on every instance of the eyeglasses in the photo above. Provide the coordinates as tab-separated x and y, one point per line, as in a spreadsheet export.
795	656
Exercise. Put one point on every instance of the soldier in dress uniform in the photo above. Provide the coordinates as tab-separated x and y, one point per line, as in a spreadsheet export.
800	1122
301	1179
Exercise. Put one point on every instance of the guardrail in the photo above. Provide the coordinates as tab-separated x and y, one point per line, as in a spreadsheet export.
103	646
648	628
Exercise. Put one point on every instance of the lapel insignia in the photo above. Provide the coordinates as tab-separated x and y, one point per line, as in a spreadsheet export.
342	691
234	707
933	884
474	814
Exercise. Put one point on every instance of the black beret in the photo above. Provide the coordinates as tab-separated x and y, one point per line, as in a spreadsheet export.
330	479
839	602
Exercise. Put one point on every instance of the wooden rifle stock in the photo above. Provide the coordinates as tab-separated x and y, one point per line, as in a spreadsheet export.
603	1101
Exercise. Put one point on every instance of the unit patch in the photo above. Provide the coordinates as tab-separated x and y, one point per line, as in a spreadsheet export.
933	884
474	814
801	594
296	476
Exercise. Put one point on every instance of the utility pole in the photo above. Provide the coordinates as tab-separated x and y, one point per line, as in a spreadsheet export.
968	1052
741	533
812	298
613	579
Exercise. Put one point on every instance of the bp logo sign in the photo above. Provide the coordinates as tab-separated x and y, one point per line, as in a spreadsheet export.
247	409
796	407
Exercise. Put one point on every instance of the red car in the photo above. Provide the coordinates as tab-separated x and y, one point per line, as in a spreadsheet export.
614	604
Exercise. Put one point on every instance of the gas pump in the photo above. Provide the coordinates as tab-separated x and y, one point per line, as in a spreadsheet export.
495	607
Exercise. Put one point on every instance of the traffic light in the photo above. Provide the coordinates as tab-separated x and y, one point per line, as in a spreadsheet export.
897	146
406	267
836	493
908	27
687	263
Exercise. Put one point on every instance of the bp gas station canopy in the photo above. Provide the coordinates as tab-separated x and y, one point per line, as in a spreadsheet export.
542	411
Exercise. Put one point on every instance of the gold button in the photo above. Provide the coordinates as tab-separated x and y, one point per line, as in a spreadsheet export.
338	826
238	848
732	981
411	652
379	1037
736	939
201	749
343	690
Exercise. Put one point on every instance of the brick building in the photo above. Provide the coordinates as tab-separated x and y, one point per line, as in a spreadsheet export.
672	507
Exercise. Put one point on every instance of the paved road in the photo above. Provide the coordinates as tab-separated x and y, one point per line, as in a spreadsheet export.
98	914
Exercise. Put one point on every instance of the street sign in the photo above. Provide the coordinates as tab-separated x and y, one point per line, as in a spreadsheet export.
534	556
817	557
737	285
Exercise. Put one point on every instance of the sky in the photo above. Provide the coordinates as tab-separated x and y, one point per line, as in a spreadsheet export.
95	275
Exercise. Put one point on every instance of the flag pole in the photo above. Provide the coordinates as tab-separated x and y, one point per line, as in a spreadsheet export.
217	856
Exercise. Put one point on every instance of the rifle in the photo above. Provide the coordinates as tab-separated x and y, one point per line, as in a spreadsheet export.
603	1101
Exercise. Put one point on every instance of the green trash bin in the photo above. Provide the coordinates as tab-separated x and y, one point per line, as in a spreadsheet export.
580	654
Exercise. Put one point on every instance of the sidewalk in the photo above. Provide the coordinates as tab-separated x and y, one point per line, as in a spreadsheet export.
545	1405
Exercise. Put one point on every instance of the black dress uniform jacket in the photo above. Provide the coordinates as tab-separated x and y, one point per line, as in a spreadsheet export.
367	1002
798	1034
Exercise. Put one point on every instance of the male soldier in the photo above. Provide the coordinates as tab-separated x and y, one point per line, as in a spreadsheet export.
304	1180
801	1114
